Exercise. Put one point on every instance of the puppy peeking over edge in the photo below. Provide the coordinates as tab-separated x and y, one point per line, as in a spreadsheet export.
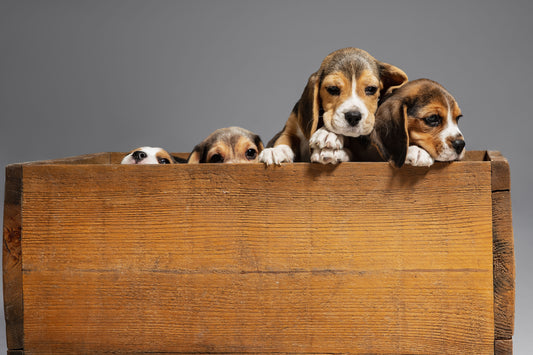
419	122
150	155
228	145
339	100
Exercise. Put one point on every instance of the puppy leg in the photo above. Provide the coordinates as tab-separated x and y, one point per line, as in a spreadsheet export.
417	156
279	154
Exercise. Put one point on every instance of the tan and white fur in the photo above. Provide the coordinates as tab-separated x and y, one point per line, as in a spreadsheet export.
228	145
148	155
339	101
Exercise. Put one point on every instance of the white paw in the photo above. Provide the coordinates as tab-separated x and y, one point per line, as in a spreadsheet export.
330	156
323	138
277	155
417	156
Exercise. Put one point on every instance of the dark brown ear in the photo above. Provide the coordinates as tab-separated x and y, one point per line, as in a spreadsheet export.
178	160
198	154
258	143
390	134
308	107
392	78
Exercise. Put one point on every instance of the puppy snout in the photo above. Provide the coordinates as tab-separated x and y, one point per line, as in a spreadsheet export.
139	155
353	117
458	145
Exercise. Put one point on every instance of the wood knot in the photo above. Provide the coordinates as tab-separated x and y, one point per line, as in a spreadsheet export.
12	241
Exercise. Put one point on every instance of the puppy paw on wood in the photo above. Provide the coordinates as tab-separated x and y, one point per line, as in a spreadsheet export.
417	156
330	156
277	155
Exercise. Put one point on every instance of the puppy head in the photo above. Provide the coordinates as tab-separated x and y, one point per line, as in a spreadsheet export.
148	155
433	116
228	145
343	94
420	113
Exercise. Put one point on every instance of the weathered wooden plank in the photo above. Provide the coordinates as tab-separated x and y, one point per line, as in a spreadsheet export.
116	157
504	265
475	155
306	311
95	205
12	258
503	347
300	258
501	175
96	158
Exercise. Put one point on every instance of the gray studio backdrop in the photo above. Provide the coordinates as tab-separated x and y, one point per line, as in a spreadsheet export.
80	77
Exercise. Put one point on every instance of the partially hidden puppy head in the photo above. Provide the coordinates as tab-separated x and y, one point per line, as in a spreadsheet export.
420	113
343	94
228	145
148	155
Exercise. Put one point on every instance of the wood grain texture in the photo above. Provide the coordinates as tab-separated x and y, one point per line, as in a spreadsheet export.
501	174
359	258
12	258
95	158
504	265
503	347
475	155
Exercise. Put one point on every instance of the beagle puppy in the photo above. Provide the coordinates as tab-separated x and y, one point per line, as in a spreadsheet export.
339	101
419	121
228	145
150	155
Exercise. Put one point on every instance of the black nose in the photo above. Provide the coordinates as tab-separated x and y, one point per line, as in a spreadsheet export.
458	145
139	155
353	117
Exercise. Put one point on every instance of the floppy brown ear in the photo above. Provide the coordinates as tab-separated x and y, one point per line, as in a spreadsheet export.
308	107
392	78
258	143
178	160
197	155
390	135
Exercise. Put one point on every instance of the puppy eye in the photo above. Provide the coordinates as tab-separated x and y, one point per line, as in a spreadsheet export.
163	161
333	90
216	158
433	120
371	90
251	154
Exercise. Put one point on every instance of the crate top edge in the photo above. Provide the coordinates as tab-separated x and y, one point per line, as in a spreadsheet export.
111	158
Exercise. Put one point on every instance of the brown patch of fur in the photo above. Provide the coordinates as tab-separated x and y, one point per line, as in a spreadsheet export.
164	155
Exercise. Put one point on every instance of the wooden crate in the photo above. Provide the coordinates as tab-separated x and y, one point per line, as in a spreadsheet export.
302	258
